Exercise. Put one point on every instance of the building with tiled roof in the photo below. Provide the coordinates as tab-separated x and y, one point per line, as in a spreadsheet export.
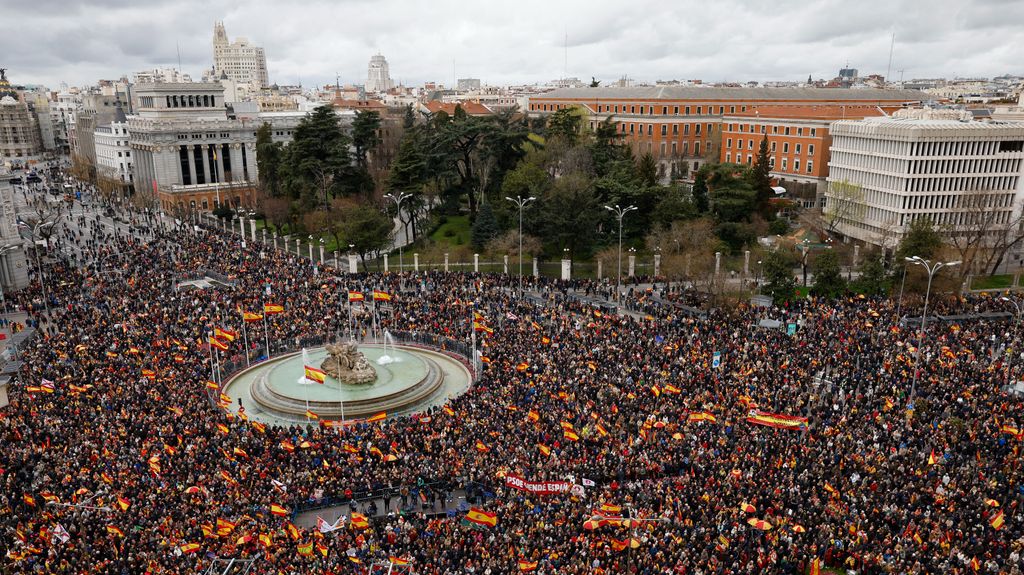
471	108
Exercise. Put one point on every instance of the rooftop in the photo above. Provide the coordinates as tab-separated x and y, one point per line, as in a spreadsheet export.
708	93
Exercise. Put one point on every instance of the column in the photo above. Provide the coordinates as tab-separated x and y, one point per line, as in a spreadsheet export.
220	163
856	254
446	262
566	269
191	164
236	163
252	230
536	268
386	263
600	267
504	266
337	262
718	263
746	263
632	264
241	227
476	263
206	163
416	262
657	265
352	264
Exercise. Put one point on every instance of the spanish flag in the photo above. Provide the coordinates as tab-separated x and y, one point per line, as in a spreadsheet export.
292	530
997	521
701	416
123	503
250	317
266	540
815	567
449	410
379	417
355	296
533	416
482	518
149	374
311	415
272	308
570	435
398	561
544	449
189	548
522	366
112	530
931	458
481	447
218	344
305	549
359	521
224	334
527	566
212	385
601	430
277	510
259	427
381	295
314	374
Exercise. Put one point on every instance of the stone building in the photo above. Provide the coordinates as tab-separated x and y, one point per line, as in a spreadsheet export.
20	140
13	264
239	60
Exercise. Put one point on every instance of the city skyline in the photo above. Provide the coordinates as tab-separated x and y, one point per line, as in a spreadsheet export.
534	43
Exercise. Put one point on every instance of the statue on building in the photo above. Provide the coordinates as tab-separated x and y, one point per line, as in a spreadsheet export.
347	364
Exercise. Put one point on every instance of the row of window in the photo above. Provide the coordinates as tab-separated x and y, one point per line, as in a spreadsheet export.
191	101
785	146
643	109
638	128
786	130
784	163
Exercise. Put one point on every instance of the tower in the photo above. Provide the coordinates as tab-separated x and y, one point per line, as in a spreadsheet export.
378	75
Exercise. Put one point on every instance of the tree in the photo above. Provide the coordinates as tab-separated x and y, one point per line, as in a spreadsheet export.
568	214
319	149
828	278
594	82
268	160
733	198
699	193
778	276
872	280
485	228
647	170
365	227
844	201
566	124
921	239
761	178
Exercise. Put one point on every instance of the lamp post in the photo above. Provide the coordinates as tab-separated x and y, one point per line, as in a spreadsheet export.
398	209
521	202
804	247
619	213
760	269
932	269
310	248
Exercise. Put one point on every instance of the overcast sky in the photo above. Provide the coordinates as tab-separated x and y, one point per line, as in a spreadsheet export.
80	41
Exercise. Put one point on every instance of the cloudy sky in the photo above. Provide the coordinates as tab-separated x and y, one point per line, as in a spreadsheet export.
80	41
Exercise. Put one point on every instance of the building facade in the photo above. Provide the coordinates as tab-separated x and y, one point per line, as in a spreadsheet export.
239	60
681	126
886	172
188	155
378	75
13	263
113	151
20	138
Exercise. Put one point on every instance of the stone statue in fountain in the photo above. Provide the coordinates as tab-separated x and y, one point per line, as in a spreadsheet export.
347	364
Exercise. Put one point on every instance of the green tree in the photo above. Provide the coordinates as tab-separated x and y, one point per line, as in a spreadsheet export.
568	214
778	276
366	228
365	135
485	228
733	198
647	171
699	193
268	158
317	162
674	206
566	124
872	280
761	179
921	239
828	277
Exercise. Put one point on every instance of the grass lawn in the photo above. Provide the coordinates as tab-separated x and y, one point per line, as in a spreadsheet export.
992	282
454	232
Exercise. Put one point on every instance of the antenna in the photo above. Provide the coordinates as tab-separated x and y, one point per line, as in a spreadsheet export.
565	61
892	46
177	46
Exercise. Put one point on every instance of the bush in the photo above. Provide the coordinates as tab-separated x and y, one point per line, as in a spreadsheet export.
779	227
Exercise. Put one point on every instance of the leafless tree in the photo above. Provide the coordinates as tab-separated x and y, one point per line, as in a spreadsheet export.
982	231
845	201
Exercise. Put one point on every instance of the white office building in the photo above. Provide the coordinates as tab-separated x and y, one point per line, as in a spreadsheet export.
113	149
378	76
239	60
885	172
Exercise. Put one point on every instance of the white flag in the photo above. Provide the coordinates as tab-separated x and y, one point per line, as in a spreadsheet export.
325	527
588	483
279	486
60	534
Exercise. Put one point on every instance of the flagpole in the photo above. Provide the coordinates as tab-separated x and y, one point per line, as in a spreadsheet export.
266	330
213	374
245	334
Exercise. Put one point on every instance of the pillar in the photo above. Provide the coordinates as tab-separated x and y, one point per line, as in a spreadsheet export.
252	230
218	153
321	254
476	263
718	263
241	227
600	268
566	269
352	264
504	265
264	230
337	262
386	263
657	265
206	164
746	263
856	254
416	262
446	261
536	268
275	242
298	246
191	164
632	265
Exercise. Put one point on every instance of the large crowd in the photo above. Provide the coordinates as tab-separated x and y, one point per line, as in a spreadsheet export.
114	459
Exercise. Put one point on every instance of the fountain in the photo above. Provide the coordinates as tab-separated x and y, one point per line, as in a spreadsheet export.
385	359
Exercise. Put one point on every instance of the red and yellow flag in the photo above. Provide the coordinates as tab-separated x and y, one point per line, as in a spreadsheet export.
355	296
997	521
379	417
272	308
314	374
189	548
218	344
381	295
277	510
224	334
480	517
527	566
249	317
359	521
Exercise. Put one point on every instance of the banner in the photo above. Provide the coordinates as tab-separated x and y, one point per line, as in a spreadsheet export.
777	420
537	487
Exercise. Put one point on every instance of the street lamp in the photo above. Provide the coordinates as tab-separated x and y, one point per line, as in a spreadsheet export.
521	202
804	247
398	209
619	213
310	248
932	269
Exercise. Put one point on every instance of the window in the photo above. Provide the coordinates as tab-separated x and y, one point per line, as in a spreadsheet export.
798	148
632	109
664	110
796	165
664	129
675	110
783	164
810	166
810	149
700	110
728	143
813	132
650	129
687	110
750	144
775	129
696	149
675	129
787	130
750	159
743	127
686	129
785	148
739	144
728	157
732	109
799	131
696	129
773	147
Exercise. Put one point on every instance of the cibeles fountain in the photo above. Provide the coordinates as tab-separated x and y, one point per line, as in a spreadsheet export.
361	380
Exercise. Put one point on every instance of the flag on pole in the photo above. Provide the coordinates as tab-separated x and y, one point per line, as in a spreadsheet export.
355	296
314	374
218	344
325	527
381	295
272	308
224	334
60	534
249	317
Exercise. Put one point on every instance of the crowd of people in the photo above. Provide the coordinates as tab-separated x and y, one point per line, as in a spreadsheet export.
119	458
